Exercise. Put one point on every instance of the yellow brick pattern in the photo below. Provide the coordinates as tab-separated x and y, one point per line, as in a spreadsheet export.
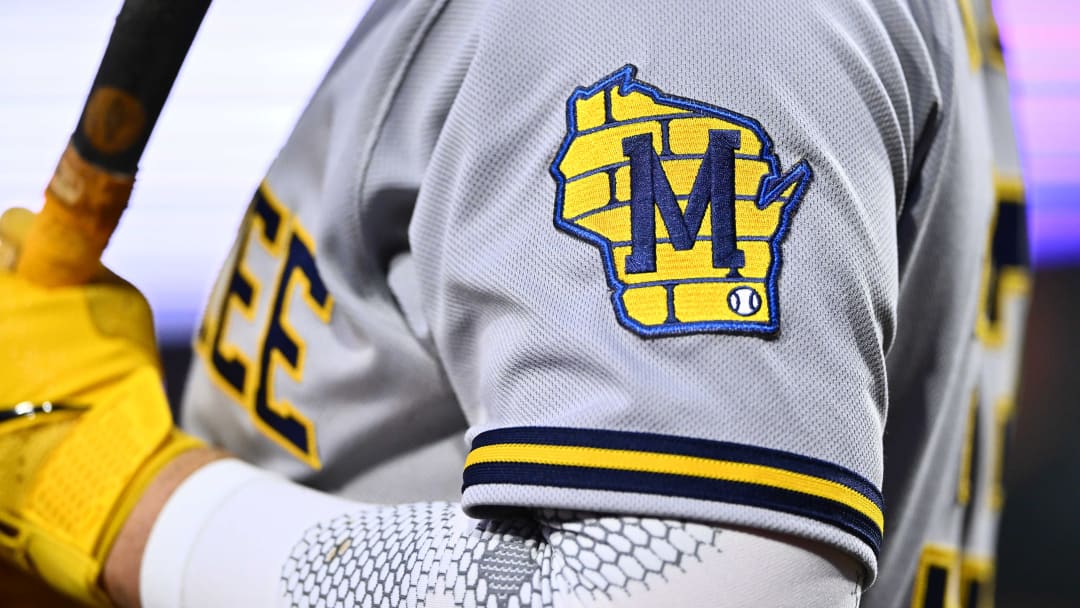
596	195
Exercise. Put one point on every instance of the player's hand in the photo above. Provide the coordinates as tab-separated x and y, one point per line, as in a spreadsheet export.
84	423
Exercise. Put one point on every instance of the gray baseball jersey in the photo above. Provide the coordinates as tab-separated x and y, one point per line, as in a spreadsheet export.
737	262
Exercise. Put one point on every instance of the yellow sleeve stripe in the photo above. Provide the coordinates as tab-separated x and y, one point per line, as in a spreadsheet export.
644	463
648	462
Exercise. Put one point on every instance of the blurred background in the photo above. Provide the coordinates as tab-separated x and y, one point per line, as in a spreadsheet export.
253	67
1040	535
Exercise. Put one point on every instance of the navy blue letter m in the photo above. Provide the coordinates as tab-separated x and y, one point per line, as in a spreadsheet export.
713	187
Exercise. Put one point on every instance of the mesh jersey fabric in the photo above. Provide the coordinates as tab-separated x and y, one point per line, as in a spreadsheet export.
399	278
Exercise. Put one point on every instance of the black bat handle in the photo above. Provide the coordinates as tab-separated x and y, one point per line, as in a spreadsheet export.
145	51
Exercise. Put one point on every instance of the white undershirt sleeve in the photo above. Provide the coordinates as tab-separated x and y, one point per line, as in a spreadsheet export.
232	535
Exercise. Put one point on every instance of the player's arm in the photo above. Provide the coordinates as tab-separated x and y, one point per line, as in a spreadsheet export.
232	535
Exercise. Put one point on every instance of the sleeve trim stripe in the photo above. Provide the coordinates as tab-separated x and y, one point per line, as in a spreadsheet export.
685	446
673	464
776	499
756	476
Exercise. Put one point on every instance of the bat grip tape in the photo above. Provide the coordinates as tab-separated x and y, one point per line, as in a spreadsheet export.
82	207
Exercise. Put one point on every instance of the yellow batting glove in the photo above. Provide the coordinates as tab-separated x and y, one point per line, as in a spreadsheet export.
84	422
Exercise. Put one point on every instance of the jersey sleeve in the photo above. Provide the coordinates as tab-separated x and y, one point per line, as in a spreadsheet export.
657	250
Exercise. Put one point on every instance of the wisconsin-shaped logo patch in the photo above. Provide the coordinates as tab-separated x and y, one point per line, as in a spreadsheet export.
687	203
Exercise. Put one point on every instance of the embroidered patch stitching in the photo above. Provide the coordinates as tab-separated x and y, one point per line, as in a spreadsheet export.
750	303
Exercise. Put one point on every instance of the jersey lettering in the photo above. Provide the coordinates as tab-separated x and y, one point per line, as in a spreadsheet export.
1003	426
249	380
231	365
976	583
284	348
948	579
957	573
1005	272
232	369
936	582
967	477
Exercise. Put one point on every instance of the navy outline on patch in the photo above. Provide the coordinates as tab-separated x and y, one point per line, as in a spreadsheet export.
771	186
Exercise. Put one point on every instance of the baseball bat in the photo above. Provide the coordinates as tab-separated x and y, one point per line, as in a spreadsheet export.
93	180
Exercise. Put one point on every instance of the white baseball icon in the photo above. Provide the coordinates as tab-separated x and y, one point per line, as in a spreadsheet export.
744	301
